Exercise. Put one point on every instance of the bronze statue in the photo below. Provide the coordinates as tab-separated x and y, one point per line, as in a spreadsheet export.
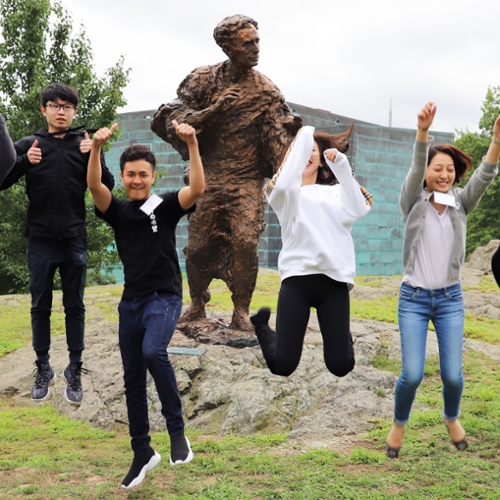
244	124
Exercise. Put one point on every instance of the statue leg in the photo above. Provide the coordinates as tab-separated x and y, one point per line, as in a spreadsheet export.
247	224
242	283
198	290
198	268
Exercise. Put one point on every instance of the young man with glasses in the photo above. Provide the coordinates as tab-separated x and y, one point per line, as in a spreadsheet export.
54	161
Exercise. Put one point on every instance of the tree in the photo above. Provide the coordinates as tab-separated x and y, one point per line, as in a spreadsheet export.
39	48
482	225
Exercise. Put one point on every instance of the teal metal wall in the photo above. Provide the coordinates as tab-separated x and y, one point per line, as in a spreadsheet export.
380	157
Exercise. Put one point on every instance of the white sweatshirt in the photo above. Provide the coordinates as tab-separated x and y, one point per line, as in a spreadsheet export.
316	220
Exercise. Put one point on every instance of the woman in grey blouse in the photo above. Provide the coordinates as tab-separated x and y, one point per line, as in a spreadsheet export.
435	219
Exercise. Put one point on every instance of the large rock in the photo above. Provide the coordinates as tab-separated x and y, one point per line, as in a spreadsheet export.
481	257
230	390
226	389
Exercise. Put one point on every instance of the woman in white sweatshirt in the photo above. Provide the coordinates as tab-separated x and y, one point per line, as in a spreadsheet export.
317	201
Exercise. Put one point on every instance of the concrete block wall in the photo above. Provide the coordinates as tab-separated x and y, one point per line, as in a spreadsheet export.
380	157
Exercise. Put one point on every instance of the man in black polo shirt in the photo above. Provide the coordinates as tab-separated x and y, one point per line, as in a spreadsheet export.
54	161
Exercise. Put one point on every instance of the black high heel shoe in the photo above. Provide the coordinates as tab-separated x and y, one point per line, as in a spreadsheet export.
389	450
459	445
392	452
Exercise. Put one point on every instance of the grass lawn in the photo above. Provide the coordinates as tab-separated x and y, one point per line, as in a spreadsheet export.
45	456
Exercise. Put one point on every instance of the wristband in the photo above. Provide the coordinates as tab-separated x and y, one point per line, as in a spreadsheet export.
495	142
422	128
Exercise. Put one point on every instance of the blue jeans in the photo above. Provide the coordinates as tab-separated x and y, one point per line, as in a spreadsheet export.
45	255
147	324
445	308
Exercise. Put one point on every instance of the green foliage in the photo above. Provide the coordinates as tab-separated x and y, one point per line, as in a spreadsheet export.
13	268
40	48
15	323
490	109
482	224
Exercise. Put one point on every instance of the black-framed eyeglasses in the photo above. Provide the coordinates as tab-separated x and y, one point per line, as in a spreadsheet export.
56	107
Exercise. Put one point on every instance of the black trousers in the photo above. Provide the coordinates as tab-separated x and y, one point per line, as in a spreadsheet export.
45	255
282	349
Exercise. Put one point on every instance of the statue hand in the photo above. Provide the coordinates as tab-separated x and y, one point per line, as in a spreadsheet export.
227	98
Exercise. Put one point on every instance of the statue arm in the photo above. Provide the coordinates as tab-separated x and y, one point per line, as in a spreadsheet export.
279	127
191	107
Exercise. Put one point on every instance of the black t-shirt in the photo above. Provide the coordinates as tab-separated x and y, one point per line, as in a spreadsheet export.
146	244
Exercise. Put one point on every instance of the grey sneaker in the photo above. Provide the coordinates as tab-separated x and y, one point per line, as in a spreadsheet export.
45	376
72	375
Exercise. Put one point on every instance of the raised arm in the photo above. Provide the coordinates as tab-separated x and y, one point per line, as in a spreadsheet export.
193	106
189	194
484	175
100	192
7	151
414	180
354	203
493	153
424	120
283	190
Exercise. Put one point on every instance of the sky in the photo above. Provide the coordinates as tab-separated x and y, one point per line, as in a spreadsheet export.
364	59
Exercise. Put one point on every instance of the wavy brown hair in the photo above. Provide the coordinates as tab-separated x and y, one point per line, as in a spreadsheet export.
462	161
326	141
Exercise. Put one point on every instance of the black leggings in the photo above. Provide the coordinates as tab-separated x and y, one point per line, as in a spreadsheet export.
297	295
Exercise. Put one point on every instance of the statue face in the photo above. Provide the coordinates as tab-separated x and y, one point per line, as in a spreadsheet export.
243	49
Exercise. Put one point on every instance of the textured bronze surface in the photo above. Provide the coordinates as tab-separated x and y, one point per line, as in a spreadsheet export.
244	124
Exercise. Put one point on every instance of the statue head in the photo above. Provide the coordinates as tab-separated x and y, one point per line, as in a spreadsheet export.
239	39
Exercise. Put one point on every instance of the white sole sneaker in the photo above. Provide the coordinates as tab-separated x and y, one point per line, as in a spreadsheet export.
187	459
153	462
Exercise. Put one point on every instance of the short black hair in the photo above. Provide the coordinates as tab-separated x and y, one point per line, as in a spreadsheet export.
137	152
59	91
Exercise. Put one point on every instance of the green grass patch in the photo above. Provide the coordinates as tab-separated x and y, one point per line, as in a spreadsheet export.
384	308
265	294
487	284
44	456
15	323
483	329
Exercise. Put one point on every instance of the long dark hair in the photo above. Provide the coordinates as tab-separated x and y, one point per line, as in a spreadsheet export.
326	141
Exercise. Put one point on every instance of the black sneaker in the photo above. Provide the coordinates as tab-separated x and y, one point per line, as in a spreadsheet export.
72	375
180	450
140	465
45	376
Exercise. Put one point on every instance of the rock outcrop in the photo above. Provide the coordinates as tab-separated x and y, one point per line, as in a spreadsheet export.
228	389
